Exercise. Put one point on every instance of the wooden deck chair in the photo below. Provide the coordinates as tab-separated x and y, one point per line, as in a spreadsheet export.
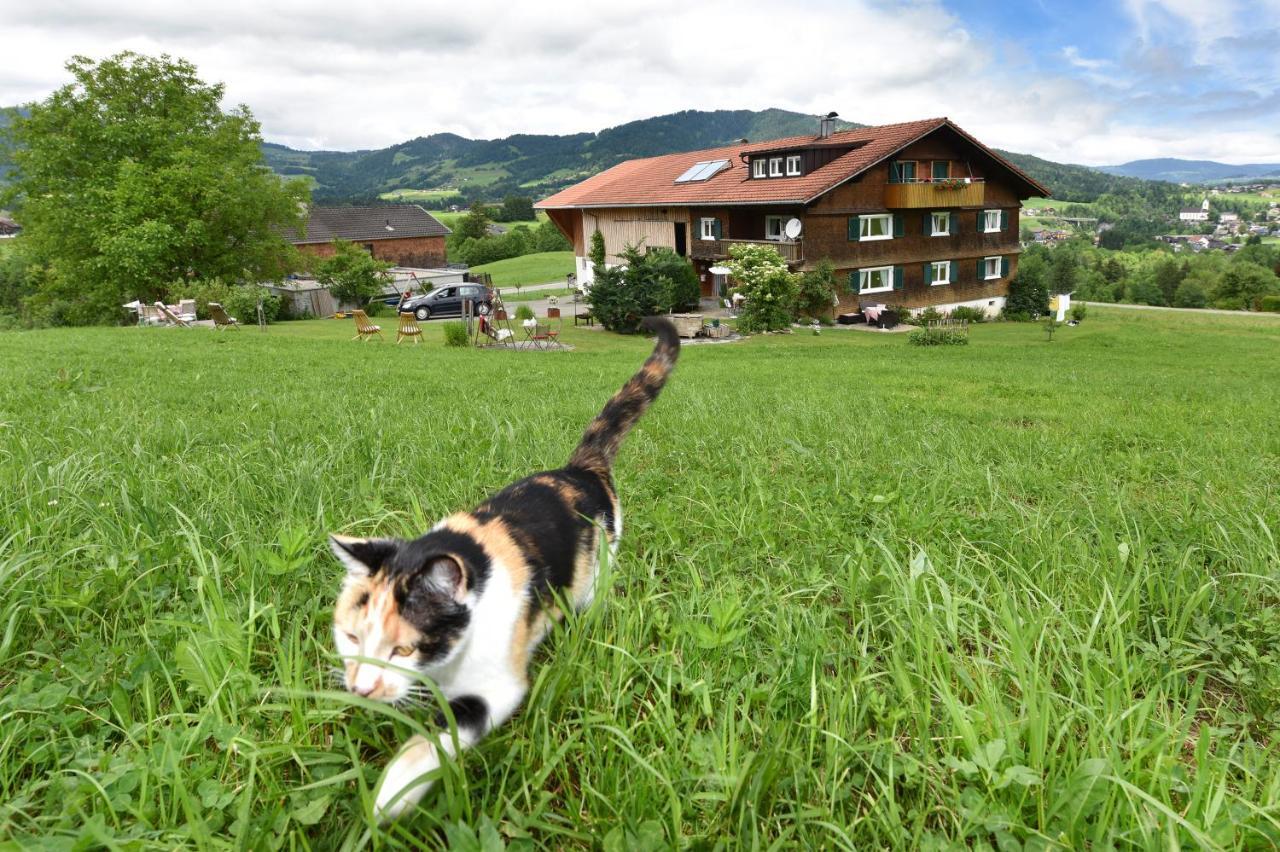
170	317
220	318
408	328
554	324
364	328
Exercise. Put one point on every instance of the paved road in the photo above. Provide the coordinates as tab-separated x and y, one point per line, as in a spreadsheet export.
1183	310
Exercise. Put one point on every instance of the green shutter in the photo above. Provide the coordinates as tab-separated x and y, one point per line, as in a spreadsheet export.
927	222
854	228
982	222
928	273
982	269
898	225
715	228
853	281
1004	267
1004	219
897	278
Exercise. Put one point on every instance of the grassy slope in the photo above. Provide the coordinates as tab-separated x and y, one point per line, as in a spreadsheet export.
868	594
538	268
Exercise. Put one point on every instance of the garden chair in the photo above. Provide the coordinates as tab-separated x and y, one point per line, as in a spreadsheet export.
170	317
364	328
187	309
221	319
496	327
553	328
408	328
583	316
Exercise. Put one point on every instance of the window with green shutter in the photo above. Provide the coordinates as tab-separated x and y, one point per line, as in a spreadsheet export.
897	277
1004	267
928	273
941	169
853	227
716	229
898	225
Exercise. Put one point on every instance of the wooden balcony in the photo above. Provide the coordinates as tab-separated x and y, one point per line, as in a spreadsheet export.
792	252
940	194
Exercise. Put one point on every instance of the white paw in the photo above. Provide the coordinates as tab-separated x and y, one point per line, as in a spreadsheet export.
402	784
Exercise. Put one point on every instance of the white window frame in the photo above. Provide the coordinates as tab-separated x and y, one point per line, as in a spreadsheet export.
775	167
933	224
863	221
781	235
946	279
986	274
986	221
864	276
707	228
793	165
759	167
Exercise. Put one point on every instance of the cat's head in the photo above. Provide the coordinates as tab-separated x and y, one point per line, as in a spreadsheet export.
404	605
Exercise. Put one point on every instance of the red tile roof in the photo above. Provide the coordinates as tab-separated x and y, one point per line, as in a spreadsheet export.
651	181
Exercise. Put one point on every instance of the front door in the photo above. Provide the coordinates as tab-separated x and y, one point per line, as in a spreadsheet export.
682	237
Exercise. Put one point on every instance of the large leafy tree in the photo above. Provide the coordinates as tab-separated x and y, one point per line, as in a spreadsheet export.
352	275
132	177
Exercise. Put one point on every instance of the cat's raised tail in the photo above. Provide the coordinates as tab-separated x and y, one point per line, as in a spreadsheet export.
605	433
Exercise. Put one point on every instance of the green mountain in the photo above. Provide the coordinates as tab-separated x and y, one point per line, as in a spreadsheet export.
526	164
1194	171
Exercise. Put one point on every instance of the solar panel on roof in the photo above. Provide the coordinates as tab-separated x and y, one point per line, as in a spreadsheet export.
702	170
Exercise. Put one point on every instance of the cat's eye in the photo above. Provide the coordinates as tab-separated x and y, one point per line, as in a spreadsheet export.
403	651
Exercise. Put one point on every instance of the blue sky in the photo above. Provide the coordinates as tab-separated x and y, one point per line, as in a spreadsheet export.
1087	82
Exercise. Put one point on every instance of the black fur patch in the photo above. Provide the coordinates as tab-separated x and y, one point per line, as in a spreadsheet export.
471	712
417	554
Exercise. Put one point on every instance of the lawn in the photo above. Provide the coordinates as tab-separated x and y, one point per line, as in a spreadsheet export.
869	596
537	268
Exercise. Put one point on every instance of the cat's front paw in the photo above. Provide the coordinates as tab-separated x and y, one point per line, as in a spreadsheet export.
402	784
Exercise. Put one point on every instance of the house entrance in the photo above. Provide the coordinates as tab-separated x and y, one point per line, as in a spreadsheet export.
681	239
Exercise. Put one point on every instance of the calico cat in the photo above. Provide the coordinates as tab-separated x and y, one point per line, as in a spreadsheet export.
467	603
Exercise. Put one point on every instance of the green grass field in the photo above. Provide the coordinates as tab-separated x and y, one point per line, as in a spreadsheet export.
418	195
538	268
1018	594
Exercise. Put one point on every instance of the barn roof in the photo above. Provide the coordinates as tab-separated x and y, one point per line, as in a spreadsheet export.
362	224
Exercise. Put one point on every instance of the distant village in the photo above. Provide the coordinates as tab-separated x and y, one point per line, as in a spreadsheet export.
1215	229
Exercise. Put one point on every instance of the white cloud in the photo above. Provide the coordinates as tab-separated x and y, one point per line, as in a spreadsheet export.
327	74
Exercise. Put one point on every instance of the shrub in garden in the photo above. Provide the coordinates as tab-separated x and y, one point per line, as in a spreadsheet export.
769	287
242	303
455	334
938	336
965	312
817	291
524	312
1270	304
648	283
1079	312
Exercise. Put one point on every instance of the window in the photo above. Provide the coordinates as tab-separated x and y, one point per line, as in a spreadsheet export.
775	167
902	171
990	221
940	224
709	229
941	169
875	280
990	268
773	227
940	272
793	164
758	166
878	227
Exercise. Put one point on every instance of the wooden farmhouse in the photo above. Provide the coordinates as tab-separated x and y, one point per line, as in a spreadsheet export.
402	234
911	214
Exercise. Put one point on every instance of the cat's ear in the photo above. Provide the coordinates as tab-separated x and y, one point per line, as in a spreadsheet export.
361	556
444	575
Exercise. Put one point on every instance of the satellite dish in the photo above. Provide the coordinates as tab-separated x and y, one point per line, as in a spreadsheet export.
793	228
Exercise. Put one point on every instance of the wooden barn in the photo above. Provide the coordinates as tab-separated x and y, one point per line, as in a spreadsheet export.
912	214
402	234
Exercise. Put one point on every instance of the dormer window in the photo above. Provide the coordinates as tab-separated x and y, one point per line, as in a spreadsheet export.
793	165
758	166
775	167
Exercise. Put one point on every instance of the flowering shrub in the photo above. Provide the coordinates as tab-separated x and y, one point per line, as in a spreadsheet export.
770	289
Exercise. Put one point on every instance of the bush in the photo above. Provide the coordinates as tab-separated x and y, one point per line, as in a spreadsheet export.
524	312
965	312
817	292
204	292
769	287
375	308
455	334
352	275
939	336
1079	312
1014	316
242	303
1190	295
647	283
1270	304
928	315
1027	297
